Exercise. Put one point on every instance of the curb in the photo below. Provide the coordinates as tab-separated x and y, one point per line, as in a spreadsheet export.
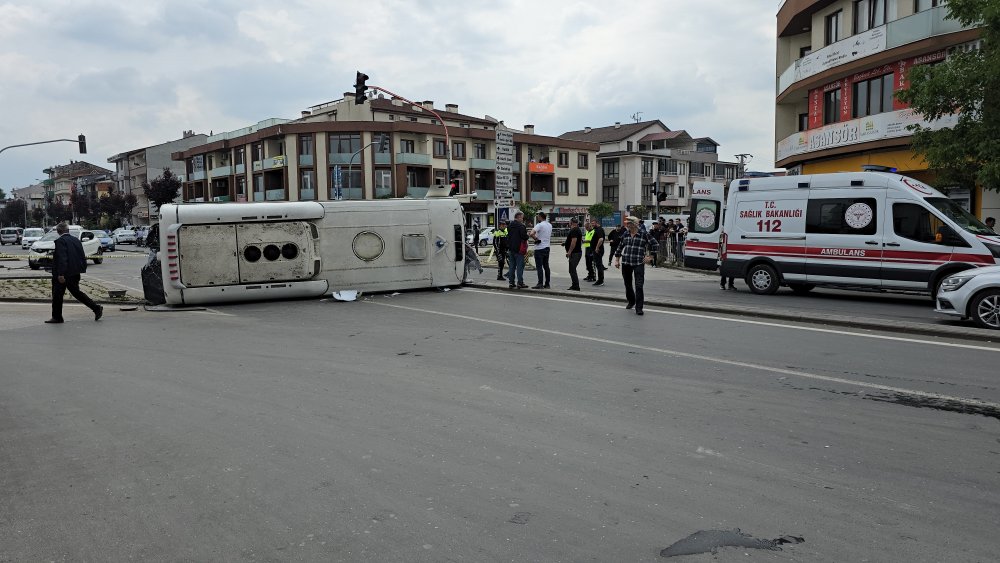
939	331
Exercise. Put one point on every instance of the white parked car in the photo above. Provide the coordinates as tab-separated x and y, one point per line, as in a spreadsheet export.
30	236
40	255
122	236
485	236
973	294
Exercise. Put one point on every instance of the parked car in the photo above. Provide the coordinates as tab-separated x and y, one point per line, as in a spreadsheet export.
485	236
107	243
30	235
972	294
40	255
122	236
10	235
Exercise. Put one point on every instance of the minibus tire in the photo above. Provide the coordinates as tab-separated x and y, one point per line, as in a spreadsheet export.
989	302
766	277
801	288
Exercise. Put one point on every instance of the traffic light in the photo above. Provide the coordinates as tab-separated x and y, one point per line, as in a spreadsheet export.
359	88
454	183
383	143
661	196
83	144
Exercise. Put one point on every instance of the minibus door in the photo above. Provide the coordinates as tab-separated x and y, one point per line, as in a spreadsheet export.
844	236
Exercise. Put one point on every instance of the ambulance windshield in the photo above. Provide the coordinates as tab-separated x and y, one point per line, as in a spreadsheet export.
963	218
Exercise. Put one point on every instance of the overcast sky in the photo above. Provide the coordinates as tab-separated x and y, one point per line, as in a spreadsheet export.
135	74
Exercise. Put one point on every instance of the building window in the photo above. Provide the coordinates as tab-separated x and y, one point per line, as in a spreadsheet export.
698	169
805	51
562	186
647	168
258	151
241	188
439	148
345	143
832	27
258	187
240	155
582	160
305	145
831	106
563	159
581	187
873	96
609	169
351	184
628	146
610	194
458	149
921	5
307	184
405	146
479	150
383	183
803	121
667	166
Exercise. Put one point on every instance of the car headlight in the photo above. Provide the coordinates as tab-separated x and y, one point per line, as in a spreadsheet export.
954	282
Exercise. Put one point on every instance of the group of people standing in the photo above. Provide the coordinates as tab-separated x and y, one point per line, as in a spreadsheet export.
631	246
670	235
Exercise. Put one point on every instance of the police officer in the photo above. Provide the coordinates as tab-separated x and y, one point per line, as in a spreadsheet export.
588	251
500	247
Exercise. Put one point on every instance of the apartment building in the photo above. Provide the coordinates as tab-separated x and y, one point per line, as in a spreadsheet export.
386	148
640	160
137	166
64	179
839	65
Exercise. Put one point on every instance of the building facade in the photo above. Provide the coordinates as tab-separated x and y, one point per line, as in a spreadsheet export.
639	160
386	148
839	66
135	167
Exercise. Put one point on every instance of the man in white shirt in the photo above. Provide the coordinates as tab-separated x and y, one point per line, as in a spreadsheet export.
542	233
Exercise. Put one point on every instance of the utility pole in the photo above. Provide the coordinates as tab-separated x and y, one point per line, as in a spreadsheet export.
744	159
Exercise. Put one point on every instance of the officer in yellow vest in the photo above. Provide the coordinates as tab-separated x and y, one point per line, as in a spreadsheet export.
588	252
500	247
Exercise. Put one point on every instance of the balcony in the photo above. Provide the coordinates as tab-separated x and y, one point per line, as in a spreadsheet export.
485	195
241	168
275	195
674	202
275	162
541	196
482	163
220	171
341	158
921	25
383	158
200	175
416	191
383	192
347	193
876	127
305	160
413	158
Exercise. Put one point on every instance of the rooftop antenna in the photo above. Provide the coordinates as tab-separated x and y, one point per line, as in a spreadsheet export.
637	116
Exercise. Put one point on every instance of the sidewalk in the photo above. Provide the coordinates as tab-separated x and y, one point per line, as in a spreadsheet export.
667	286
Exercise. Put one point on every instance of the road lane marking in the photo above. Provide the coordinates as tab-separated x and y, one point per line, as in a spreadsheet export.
752	322
701	357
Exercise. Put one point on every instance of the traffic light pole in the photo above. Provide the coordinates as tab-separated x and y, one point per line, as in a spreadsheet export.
81	140
447	138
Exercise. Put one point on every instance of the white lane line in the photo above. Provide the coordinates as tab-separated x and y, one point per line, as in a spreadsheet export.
700	357
752	322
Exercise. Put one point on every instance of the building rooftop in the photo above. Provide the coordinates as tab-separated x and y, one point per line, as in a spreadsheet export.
611	133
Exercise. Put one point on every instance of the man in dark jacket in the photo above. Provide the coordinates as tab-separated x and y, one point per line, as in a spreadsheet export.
614	238
68	262
516	234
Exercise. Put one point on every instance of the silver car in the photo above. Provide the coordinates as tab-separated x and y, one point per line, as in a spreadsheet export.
972	294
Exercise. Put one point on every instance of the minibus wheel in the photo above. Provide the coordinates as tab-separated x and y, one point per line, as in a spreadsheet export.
762	279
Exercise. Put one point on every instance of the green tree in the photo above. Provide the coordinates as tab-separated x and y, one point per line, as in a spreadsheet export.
640	211
529	210
37	215
163	189
600	210
3	194
967	84
13	213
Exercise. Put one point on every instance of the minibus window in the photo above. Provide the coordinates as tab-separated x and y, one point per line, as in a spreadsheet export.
916	222
829	216
961	217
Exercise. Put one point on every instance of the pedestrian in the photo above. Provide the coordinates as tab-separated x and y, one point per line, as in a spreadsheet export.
500	247
574	251
681	237
722	281
656	232
588	251
476	231
614	238
517	240
991	223
597	247
542	233
68	262
631	257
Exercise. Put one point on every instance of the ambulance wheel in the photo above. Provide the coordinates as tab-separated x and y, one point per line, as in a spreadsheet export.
801	288
985	309
762	279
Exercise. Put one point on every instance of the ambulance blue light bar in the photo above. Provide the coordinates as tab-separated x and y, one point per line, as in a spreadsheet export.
876	168
744	185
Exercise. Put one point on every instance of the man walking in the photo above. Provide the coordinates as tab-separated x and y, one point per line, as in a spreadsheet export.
68	262
542	233
517	238
631	258
614	238
597	248
500	247
573	244
588	251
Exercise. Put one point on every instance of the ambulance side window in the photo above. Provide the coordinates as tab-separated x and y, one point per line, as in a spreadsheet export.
915	222
842	216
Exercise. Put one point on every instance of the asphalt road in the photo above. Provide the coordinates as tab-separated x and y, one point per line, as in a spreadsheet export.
475	425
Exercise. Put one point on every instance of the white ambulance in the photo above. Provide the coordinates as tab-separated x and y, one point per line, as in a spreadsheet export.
863	230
